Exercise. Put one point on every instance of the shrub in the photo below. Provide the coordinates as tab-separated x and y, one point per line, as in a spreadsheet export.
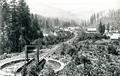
95	36
72	51
61	37
33	71
77	60
112	50
116	42
82	59
47	71
24	71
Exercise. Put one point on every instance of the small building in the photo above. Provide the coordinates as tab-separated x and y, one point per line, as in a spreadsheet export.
114	36
73	28
50	33
91	30
66	29
44	34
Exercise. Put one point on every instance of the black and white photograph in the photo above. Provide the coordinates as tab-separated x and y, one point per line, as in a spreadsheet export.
59	37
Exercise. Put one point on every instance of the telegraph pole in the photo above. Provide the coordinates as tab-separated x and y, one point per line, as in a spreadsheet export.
26	54
39	46
37	55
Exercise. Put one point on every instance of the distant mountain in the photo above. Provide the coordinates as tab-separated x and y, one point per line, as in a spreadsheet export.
52	12
48	24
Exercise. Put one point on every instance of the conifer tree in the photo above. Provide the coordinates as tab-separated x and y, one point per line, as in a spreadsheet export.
108	27
101	28
24	19
4	18
0	24
13	35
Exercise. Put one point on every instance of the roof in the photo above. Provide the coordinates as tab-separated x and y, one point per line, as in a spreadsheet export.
115	36
44	34
91	30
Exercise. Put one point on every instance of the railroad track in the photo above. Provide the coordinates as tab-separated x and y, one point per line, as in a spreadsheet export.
46	54
41	58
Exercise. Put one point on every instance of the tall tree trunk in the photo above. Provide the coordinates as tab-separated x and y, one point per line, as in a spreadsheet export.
0	24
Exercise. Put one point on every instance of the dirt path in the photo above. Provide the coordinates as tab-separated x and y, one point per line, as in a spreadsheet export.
56	64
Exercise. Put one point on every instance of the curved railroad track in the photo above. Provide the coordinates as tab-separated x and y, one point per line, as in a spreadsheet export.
32	60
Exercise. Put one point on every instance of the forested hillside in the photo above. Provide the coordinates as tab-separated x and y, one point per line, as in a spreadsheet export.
49	24
19	27
111	18
16	28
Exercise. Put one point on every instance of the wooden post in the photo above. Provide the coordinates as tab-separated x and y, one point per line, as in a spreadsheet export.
26	59
37	55
26	54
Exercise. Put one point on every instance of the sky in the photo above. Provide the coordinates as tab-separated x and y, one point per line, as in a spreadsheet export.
71	8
